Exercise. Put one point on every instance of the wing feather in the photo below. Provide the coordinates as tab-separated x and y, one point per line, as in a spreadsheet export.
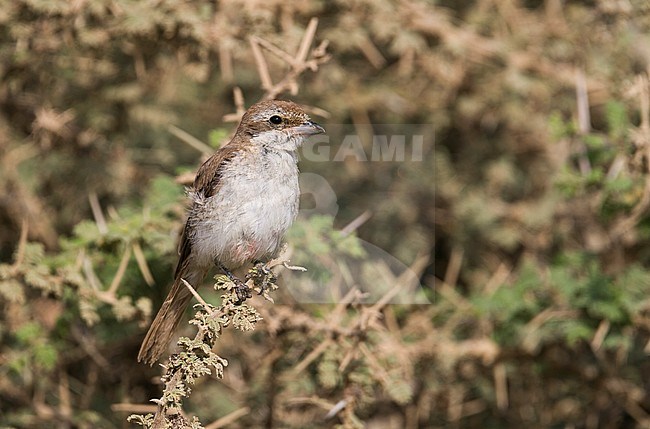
206	183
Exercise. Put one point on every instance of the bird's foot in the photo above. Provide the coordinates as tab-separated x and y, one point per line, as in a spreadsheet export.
263	278
242	290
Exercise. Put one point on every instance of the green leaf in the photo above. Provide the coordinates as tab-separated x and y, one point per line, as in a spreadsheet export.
594	141
576	331
217	136
618	122
163	193
620	184
46	356
28	332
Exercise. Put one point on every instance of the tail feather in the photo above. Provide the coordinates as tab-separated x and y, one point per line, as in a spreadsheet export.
169	317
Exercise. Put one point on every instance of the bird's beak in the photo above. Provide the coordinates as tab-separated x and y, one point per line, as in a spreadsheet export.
308	128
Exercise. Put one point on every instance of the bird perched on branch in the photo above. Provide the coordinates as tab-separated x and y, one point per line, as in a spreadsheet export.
244	198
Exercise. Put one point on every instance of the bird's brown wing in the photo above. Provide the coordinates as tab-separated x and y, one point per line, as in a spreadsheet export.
206	183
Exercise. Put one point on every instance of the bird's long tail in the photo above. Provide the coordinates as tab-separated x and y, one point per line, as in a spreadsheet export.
169	316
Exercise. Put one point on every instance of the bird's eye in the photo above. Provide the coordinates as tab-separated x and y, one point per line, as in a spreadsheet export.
275	120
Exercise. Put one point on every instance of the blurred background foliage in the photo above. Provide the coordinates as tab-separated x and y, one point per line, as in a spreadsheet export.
526	221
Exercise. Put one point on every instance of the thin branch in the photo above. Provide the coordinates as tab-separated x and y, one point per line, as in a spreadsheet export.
286	265
372	54
121	269
356	223
317	111
22	243
501	386
278	52
240	106
584	119
312	356
314	400
190	140
225	61
307	40
133	408
238	96
197	296
229	418
89	271
453	268
260	61
340	405
98	214
142	264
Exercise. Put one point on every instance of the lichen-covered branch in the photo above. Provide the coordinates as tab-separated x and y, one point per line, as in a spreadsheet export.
195	357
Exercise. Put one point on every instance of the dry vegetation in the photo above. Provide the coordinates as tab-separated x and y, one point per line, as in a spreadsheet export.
526	223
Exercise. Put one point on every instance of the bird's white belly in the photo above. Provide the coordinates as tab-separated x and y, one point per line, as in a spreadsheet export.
246	219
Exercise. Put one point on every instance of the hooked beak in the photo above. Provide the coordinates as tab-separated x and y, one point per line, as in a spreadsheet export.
308	128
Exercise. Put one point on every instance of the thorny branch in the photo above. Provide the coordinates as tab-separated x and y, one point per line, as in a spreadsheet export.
195	357
304	59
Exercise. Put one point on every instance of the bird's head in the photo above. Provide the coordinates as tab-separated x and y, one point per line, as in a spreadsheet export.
277	124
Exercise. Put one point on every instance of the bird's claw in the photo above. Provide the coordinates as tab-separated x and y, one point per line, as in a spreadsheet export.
242	291
262	277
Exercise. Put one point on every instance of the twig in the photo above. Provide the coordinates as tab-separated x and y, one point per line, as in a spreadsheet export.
90	274
314	400
196	295
133	408
275	51
600	335
260	61
229	418
142	264
336	314
312	356
96	208
225	61
286	265
317	111
378	370
307	39
501	386
238	96
453	268
240	106
356	223
497	279
65	407
22	243
584	119
299	62
372	54
336	408
417	267
121	269
190	140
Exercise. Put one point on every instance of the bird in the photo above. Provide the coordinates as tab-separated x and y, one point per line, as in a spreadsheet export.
243	200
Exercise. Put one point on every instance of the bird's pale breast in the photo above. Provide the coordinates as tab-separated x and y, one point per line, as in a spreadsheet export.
249	215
